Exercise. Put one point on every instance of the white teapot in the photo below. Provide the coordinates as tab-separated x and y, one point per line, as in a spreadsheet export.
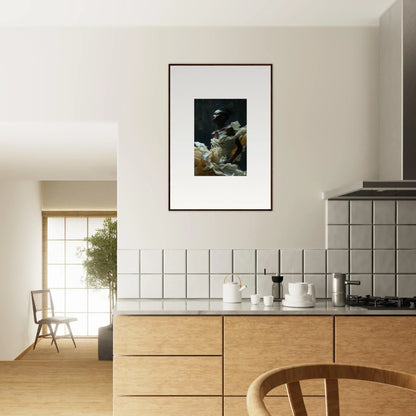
231	291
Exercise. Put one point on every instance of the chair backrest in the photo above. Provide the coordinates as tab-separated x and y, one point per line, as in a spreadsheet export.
42	303
329	372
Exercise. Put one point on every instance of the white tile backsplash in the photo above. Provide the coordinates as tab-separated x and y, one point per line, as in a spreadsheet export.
291	261
198	285
221	261
406	261
406	236
174	261
244	261
128	286
337	212
373	241
384	285
197	261
337	261
384	261
337	236
384	237
319	280
360	236
406	285
216	281
384	212
151	261
128	261
174	286
406	212
314	261
360	261
361	212
264	284
269	260
151	286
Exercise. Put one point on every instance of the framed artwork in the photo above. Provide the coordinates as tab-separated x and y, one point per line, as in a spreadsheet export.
220	137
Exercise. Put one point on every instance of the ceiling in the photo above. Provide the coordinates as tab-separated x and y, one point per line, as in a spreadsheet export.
191	12
58	151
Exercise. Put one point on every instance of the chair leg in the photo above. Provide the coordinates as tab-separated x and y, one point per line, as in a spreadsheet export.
70	333
54	333
37	335
53	336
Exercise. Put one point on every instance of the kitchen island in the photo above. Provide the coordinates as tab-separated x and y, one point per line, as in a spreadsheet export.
198	357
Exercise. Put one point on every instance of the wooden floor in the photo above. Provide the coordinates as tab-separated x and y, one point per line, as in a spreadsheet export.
44	382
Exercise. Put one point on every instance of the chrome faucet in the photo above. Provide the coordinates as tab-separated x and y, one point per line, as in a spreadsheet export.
339	283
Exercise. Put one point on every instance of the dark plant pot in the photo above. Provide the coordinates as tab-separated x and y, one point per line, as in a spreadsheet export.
105	343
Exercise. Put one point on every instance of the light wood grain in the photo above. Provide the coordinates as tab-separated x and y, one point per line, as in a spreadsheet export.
60	388
385	341
193	376
253	345
167	335
279	406
293	374
168	406
369	399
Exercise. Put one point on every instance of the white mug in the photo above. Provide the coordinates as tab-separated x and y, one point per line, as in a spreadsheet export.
268	300
255	299
311	291
297	289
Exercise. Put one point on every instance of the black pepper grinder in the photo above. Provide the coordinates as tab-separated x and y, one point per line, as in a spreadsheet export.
277	288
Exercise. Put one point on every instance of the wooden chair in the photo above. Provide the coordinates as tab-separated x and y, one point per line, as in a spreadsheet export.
42	303
329	372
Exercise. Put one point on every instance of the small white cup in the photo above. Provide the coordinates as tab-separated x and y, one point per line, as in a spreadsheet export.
255	299
268	300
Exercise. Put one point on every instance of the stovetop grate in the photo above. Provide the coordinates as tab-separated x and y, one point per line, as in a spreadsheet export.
387	302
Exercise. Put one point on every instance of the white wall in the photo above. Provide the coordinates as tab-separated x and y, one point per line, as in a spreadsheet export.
21	264
325	118
79	195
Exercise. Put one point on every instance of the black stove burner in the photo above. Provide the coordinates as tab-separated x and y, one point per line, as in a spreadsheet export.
388	302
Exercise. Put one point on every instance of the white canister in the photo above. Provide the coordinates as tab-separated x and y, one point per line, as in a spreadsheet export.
231	291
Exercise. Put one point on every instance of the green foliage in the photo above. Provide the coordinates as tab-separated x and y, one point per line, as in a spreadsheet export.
101	259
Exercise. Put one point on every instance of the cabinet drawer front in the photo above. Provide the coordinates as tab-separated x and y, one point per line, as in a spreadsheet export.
253	345
159	376
168	406
167	335
236	406
381	341
369	399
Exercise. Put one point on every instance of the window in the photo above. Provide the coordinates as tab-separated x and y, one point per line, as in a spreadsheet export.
64	274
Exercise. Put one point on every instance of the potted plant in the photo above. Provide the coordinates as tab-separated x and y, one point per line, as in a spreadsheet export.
101	272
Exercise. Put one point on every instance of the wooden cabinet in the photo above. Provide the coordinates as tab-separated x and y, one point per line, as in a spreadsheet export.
384	341
167	406
203	365
167	335
236	406
160	376
255	344
167	365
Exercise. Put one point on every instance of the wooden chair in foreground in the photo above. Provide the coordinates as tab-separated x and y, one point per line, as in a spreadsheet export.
42	302
330	373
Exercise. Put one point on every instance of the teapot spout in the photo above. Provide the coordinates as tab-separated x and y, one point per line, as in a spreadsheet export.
243	287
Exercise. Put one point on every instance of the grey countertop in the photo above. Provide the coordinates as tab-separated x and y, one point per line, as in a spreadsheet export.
217	307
